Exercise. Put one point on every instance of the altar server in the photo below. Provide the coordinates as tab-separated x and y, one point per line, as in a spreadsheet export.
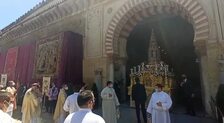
110	103
159	106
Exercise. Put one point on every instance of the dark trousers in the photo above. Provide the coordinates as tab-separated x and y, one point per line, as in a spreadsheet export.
189	106
46	103
52	105
137	106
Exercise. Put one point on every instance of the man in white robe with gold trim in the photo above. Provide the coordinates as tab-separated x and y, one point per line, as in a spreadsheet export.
31	108
60	114
109	103
159	106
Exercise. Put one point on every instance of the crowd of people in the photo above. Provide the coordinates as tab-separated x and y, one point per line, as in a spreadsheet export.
76	107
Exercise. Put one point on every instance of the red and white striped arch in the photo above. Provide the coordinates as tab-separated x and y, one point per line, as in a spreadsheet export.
136	10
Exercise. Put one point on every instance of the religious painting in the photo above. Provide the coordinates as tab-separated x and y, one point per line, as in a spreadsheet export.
47	57
3	79
10	63
46	85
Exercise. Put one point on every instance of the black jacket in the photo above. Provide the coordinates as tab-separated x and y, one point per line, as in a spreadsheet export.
187	89
138	93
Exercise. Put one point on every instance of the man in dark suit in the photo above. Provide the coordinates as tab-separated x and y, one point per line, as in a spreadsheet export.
139	96
188	95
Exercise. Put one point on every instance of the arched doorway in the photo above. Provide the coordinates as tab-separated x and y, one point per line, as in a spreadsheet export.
133	12
174	37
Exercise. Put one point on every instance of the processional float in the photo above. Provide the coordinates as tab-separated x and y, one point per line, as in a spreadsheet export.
152	73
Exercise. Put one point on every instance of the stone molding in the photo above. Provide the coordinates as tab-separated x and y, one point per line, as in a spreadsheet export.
200	48
44	13
121	24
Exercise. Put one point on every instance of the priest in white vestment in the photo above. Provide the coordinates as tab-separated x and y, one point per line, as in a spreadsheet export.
109	103
159	106
31	108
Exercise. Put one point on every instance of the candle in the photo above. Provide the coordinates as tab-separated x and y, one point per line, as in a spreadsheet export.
165	71
156	68
134	69
161	66
139	68
143	66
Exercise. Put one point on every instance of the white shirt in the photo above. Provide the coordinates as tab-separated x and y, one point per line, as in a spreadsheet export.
162	97
10	109
84	116
5	118
160	114
71	104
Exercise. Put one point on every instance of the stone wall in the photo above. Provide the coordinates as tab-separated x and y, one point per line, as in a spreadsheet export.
210	68
91	19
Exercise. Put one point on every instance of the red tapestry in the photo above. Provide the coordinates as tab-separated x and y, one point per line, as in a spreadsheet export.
2	62
10	63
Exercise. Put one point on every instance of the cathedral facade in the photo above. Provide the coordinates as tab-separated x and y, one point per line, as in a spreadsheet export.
42	41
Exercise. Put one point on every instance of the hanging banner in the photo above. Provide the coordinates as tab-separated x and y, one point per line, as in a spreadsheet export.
10	63
46	85
3	79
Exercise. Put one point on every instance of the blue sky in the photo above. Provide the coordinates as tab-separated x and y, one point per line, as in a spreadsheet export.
10	10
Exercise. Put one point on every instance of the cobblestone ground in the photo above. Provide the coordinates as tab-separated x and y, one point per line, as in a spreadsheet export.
128	116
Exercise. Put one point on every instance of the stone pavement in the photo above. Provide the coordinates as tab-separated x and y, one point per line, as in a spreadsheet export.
128	116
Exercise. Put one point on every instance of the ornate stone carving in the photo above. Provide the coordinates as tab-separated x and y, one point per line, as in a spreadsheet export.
191	10
51	10
94	32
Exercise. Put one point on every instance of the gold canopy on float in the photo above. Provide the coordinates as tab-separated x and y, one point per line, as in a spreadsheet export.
156	71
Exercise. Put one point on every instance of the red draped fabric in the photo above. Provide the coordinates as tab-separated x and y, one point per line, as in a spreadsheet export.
10	63
2	62
19	62
70	70
25	64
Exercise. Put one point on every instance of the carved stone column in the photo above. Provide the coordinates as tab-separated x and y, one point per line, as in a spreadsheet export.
201	51
120	75
221	62
111	69
99	79
221	66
